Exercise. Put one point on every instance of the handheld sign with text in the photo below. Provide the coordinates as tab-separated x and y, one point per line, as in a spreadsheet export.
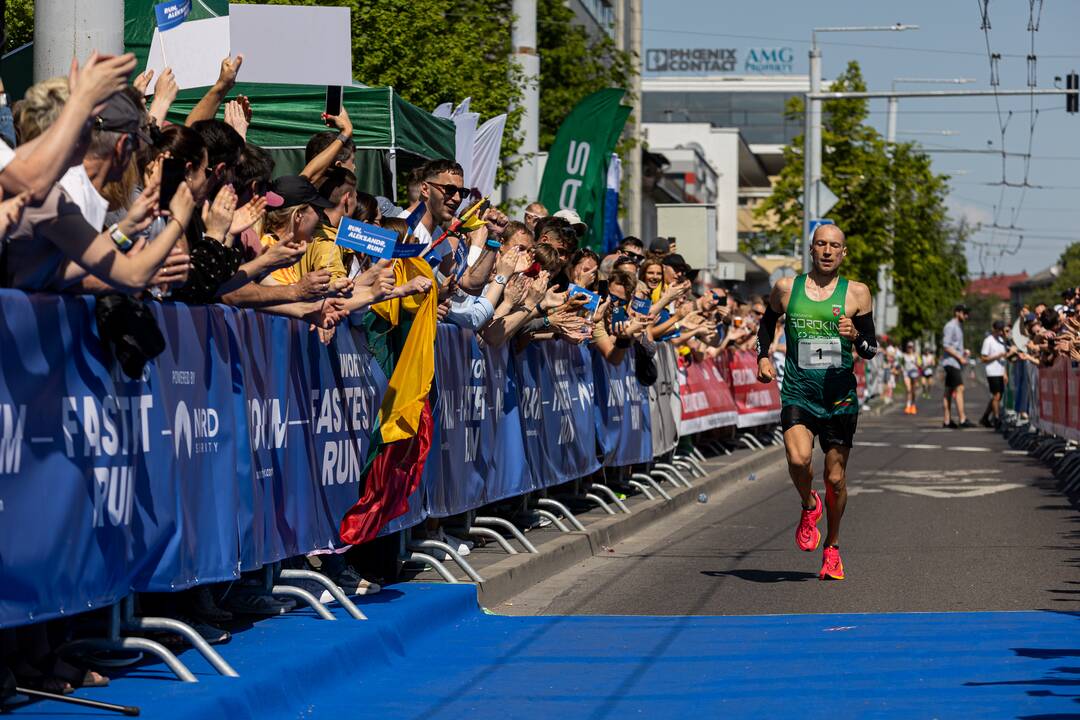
172	13
374	241
594	299
642	306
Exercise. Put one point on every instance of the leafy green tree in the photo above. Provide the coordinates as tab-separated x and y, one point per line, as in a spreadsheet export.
884	193
572	65
1069	277
18	23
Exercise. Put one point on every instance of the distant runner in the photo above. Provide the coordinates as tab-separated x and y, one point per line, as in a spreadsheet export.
910	361
827	315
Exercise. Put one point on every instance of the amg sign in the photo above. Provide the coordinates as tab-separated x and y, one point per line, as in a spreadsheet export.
719	60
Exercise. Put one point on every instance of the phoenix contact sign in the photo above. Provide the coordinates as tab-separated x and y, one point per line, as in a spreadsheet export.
777	60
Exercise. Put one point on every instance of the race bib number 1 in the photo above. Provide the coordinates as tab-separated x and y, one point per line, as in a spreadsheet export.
819	353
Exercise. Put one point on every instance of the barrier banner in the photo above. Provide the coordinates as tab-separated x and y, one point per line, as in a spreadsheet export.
706	397
860	378
70	452
1048	387
463	456
194	452
556	395
622	414
665	407
758	403
1071	431
345	390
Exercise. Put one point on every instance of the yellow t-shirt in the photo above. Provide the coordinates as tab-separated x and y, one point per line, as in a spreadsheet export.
282	276
324	254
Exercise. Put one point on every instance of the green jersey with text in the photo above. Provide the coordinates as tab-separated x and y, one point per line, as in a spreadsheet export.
818	372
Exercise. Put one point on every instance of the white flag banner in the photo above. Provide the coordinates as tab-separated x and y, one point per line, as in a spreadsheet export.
486	152
444	111
464	139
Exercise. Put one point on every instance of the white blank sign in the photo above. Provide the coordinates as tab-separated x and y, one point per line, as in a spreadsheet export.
294	45
194	50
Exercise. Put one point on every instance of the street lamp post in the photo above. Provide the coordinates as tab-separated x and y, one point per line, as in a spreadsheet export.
812	137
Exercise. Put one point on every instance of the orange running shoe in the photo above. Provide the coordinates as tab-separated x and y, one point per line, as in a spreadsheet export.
807	536
832	568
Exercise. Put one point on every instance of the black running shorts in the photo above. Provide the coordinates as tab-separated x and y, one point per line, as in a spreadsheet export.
953	377
997	385
836	431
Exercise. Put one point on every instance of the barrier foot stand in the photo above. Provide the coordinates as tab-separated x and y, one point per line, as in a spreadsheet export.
130	623
305	597
746	441
491	534
571	518
454	555
555	519
115	642
651	483
331	587
611	494
641	488
435	564
599	502
674	471
691	460
510	528
778	436
665	475
689	470
697	454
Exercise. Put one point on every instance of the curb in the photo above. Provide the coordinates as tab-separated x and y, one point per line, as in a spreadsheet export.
516	573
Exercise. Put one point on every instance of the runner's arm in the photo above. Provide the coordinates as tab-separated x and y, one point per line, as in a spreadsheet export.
766	331
866	340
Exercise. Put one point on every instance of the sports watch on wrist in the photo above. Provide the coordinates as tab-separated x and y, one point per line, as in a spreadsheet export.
500	280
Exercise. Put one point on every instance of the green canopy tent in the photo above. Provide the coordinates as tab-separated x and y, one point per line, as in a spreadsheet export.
391	134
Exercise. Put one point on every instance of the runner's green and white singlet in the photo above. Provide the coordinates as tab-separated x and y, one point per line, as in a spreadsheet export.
818	372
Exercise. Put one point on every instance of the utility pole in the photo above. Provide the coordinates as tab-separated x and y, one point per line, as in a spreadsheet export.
74	28
633	165
525	182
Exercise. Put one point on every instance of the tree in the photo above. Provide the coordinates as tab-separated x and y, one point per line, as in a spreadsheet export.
572	65
18	23
1068	277
884	192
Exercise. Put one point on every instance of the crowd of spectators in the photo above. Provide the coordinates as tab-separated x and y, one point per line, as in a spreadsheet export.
1051	332
102	194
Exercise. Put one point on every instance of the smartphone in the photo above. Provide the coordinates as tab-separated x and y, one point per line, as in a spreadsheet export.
172	174
333	101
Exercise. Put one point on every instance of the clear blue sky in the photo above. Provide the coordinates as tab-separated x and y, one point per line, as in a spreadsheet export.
948	44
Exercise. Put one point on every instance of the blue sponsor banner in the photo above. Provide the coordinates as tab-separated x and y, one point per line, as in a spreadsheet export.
555	387
622	413
642	306
373	240
238	445
172	13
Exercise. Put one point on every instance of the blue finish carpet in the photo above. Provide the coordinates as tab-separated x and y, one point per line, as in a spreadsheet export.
428	651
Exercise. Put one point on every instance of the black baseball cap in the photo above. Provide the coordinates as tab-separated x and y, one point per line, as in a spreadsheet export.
121	114
999	324
298	190
961	307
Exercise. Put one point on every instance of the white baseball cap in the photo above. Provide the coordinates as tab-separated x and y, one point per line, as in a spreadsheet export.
574	219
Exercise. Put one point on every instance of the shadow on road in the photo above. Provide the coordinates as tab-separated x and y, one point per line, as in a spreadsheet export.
763	576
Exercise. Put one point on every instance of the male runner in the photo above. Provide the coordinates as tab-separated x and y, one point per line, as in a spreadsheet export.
827	315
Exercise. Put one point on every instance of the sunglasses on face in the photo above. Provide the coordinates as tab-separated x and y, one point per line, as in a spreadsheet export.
451	190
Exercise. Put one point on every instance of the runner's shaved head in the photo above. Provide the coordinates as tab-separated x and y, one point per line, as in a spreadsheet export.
834	232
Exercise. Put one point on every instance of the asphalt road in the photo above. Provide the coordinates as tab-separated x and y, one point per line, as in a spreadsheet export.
937	520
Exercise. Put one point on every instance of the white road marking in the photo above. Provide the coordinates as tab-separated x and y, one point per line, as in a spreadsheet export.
863	491
953	491
968	448
918	446
867	443
1014	452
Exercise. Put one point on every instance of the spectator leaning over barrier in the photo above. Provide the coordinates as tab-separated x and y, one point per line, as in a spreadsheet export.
328	149
338	188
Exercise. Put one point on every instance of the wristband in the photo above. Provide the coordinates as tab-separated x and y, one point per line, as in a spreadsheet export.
493	244
342	138
123	242
547	322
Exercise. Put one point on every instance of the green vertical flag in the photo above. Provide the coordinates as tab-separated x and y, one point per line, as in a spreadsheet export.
575	176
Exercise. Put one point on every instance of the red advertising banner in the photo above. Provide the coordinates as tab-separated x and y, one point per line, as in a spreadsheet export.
860	377
1053	398
706	398
1072	401
757	403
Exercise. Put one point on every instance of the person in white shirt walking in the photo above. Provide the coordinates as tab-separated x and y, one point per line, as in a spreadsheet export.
994	354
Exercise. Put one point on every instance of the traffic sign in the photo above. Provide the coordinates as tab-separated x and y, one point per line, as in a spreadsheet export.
826	199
